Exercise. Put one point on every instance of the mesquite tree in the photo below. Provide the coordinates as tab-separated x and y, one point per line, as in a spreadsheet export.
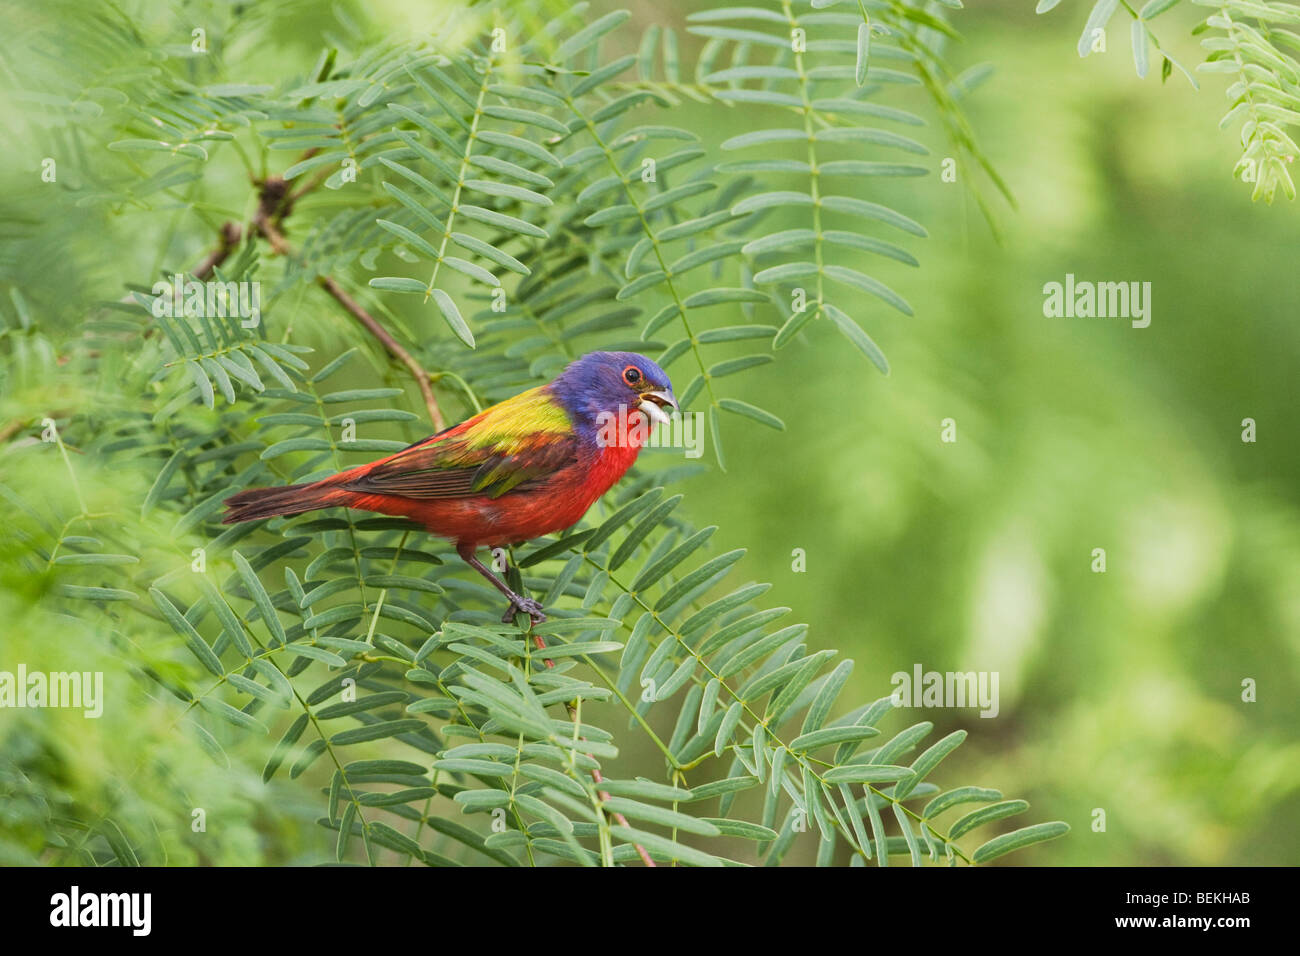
336	262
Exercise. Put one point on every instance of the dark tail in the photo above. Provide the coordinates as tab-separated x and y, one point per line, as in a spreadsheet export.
254	504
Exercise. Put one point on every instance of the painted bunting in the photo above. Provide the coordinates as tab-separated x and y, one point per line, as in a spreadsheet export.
523	468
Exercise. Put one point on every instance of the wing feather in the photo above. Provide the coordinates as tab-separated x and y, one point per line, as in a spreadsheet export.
474	458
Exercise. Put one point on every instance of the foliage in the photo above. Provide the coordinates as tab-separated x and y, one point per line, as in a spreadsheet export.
1251	43
347	648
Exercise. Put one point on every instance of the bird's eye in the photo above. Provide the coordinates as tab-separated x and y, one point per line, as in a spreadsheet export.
632	375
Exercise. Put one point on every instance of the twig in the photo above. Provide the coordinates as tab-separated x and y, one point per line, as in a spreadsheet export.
390	343
230	236
12	429
595	772
312	183
622	820
275	203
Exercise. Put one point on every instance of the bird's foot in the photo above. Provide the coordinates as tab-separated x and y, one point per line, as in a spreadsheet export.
519	604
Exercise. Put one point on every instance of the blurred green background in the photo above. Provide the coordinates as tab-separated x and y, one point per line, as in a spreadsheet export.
1120	691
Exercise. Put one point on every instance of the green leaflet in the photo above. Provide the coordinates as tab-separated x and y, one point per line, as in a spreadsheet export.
1017	839
377	639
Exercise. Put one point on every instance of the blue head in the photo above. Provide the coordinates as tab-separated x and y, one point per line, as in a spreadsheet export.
601	383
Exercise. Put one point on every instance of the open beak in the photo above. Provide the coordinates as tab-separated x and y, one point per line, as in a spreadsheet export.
653	404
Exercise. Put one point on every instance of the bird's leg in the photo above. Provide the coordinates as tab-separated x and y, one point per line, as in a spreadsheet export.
534	611
518	602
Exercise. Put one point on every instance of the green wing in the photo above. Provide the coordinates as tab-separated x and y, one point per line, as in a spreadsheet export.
518	443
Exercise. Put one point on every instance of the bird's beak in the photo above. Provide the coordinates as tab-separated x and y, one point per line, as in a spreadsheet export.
654	402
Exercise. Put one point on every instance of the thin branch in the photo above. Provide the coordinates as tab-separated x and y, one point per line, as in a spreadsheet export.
596	778
230	236
390	343
276	203
12	429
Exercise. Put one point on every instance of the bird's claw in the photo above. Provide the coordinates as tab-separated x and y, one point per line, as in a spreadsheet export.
534	610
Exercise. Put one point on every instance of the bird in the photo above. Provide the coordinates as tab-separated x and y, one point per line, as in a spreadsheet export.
518	470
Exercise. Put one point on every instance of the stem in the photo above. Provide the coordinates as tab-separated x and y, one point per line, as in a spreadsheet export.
460	175
654	243
596	778
814	172
803	760
266	220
